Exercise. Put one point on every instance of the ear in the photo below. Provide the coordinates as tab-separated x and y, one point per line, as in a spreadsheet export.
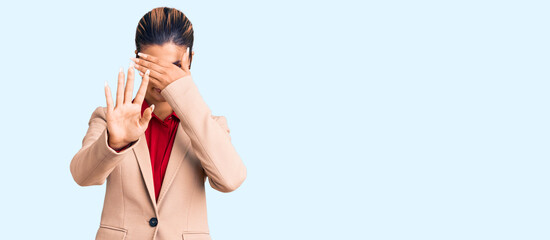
190	58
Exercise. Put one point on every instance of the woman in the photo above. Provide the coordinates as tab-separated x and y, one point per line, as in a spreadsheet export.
156	150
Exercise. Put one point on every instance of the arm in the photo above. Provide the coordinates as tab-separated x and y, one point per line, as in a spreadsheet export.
209	135
93	163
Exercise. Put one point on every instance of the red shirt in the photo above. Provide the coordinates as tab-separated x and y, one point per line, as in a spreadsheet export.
160	137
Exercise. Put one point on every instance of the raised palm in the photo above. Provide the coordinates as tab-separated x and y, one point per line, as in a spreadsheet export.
124	121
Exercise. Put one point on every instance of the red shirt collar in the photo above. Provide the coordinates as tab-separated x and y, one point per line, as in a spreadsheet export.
145	105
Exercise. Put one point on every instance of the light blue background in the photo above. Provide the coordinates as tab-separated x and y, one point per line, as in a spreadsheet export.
356	120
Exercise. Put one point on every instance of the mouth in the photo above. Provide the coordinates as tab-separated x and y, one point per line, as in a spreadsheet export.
156	89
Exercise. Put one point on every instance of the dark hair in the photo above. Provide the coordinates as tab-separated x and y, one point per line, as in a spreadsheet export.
164	25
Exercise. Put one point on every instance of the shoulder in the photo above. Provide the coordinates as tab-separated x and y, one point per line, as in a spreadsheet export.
99	113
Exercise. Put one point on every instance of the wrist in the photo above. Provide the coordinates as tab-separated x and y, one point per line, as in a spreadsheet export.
114	144
117	146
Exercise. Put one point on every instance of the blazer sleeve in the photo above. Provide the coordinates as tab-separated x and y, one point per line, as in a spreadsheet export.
93	163
209	135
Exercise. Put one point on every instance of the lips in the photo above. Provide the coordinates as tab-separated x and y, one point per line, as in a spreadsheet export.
156	89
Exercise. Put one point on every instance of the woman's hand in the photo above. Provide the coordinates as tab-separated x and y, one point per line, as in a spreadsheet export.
124	121
162	72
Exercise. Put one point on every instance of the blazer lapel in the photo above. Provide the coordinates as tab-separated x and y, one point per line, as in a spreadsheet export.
181	146
144	160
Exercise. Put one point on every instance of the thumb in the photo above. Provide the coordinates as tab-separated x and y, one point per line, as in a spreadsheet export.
147	114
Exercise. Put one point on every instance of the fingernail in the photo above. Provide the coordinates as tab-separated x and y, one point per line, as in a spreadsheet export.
120	70
134	59
131	64
152	107
147	72
105	83
188	49
141	54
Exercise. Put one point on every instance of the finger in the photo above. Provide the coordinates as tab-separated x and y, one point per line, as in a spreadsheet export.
108	98
152	81
153	59
143	69
147	114
129	91
142	89
119	92
149	65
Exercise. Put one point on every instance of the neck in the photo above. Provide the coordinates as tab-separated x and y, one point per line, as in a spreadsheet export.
162	109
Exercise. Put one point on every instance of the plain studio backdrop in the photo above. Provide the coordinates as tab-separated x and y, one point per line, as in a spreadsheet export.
355	119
